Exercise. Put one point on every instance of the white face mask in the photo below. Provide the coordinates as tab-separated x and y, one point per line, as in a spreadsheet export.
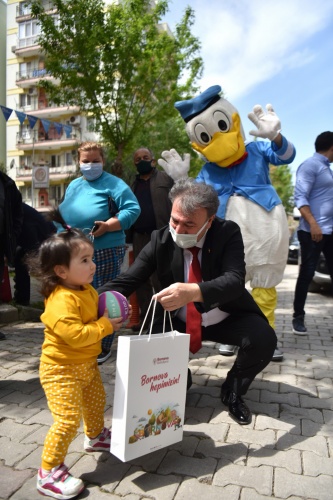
91	171
186	240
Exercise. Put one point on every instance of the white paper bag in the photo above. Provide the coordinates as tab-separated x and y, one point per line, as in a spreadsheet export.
150	393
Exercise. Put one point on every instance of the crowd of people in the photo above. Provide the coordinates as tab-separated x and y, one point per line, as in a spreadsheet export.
186	257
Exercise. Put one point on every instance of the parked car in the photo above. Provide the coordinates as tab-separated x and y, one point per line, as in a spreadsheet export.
293	249
321	282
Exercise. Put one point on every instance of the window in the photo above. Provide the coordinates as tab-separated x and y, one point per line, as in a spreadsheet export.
25	100
55	161
91	124
25	70
55	194
25	131
68	159
25	162
26	192
28	33
24	9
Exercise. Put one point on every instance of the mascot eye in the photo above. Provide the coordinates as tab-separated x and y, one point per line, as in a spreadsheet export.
222	121
201	134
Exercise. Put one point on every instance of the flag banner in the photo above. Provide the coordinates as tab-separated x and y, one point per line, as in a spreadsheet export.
32	121
68	130
46	124
6	112
58	127
21	116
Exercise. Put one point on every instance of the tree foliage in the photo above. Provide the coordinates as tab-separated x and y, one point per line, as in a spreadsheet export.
281	178
118	64
167	134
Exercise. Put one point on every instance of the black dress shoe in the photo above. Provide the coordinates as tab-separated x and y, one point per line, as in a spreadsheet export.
237	408
189	379
3	337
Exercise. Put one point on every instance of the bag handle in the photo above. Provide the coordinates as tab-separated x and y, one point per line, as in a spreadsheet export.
152	320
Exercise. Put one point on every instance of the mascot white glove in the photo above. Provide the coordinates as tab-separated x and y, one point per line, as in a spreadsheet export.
174	165
268	124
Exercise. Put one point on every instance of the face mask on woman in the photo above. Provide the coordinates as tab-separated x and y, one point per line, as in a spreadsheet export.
186	240
91	171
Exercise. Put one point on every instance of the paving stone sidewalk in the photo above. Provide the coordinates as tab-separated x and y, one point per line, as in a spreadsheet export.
285	453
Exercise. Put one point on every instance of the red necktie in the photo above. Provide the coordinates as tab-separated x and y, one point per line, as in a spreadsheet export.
193	317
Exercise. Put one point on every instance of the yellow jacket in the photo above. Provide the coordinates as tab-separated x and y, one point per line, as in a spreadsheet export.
73	333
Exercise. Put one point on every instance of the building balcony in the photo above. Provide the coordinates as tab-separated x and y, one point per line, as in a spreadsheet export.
25	79
24	173
23	11
47	109
38	141
27	47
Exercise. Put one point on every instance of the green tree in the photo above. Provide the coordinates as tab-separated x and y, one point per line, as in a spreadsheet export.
164	135
281	178
118	64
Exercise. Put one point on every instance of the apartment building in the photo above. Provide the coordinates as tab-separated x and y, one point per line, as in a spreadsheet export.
41	147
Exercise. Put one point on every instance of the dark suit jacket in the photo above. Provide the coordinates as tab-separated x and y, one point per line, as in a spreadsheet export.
222	267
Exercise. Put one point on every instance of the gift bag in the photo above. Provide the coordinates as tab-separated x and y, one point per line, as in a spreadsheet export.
150	392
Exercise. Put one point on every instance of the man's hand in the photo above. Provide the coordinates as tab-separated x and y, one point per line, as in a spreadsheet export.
174	165
178	295
316	232
268	124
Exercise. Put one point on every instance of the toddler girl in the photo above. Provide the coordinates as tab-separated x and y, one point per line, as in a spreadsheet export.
69	372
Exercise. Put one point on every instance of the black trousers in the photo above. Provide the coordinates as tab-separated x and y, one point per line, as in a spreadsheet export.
253	335
310	252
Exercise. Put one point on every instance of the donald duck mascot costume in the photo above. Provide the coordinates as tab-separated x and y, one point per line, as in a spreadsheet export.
240	175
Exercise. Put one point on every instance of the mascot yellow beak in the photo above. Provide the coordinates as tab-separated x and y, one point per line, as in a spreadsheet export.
225	148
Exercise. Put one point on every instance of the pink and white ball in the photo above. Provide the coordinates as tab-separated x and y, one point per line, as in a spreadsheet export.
116	304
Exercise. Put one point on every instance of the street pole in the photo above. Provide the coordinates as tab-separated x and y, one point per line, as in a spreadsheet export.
32	170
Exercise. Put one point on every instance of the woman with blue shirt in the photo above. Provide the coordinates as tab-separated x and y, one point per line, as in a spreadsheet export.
104	205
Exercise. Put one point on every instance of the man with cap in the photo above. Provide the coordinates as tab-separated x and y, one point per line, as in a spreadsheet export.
240	175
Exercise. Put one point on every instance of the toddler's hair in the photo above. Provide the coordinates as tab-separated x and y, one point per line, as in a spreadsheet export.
56	250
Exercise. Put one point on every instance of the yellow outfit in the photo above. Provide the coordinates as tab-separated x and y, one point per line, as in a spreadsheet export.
69	372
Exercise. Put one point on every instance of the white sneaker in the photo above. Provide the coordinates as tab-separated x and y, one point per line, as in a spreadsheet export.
59	483
227	349
277	355
99	443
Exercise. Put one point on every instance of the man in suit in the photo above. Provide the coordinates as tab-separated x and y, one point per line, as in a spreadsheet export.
228	312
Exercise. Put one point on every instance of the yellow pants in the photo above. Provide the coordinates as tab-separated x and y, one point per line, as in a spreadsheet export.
72	392
266	299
